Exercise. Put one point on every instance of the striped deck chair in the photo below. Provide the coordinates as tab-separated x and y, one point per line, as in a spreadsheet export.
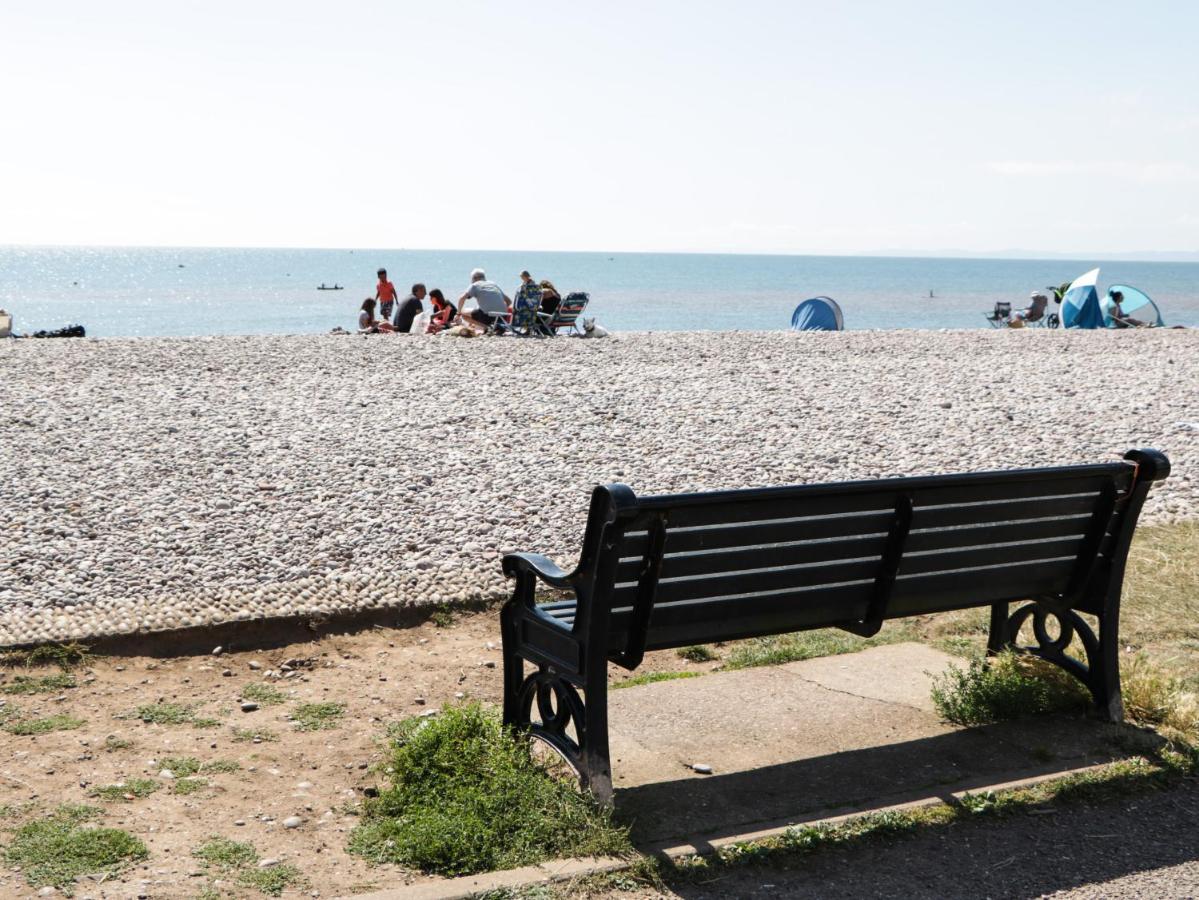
524	309
566	315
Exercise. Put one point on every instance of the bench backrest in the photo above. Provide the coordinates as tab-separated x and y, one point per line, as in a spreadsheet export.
675	570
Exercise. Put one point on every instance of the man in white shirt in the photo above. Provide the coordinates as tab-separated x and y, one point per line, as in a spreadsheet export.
483	302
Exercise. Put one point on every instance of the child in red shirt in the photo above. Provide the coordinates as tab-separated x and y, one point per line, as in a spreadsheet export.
385	293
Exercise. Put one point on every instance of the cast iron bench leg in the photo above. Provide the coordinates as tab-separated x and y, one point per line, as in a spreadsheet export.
1101	671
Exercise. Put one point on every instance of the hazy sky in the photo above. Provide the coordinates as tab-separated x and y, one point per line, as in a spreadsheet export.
787	126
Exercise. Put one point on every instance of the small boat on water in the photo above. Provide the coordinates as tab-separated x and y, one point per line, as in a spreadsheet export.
329	287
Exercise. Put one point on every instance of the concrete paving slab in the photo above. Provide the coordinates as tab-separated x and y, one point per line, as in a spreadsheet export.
831	733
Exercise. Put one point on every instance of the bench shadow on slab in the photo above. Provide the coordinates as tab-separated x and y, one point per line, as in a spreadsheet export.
831	735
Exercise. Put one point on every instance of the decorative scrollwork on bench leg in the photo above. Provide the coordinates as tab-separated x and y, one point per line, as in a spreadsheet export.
1101	671
559	707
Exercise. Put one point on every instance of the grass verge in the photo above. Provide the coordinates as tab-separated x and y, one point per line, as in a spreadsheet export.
466	797
65	656
784	648
651	678
57	850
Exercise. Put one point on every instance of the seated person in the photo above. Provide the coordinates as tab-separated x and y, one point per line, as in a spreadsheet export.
443	311
410	308
483	302
1117	313
367	323
1035	311
550	298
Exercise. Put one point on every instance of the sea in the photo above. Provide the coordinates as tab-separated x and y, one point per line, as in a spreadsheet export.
143	292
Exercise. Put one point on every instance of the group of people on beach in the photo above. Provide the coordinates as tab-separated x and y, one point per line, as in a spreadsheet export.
481	305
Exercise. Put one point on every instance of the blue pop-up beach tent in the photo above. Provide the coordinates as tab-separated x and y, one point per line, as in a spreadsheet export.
1080	305
1136	305
818	314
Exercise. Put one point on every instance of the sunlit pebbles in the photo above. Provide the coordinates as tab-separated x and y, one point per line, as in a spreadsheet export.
163	483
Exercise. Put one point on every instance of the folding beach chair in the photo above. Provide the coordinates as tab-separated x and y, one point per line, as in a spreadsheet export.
1000	316
565	316
524	310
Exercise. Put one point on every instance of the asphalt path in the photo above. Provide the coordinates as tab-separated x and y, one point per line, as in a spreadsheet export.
1144	847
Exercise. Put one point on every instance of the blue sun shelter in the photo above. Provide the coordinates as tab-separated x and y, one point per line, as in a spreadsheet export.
1080	305
818	314
1136	305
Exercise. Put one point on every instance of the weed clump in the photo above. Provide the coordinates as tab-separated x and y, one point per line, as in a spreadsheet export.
39	684
1006	687
224	854
56	850
318	716
263	694
65	656
699	653
250	735
466	797
1154	697
132	789
61	722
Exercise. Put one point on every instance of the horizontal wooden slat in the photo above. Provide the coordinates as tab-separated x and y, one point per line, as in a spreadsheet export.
750	582
732	618
1016	486
739	558
681	540
978	586
969	536
1004	511
980	557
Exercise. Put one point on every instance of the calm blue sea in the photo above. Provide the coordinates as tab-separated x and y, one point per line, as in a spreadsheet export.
190	291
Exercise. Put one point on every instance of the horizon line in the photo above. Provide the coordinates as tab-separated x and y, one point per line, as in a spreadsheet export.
1009	254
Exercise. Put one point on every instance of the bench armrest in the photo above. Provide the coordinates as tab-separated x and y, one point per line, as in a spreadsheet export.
541	566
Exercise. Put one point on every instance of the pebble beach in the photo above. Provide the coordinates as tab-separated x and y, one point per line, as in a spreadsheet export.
155	484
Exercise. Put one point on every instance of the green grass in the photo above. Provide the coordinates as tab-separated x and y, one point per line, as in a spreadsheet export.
39	684
263	694
125	791
273	880
186	786
699	653
1005	687
467	797
57	850
442	617
651	678
219	767
180	766
65	656
166	713
247	735
61	722
225	855
784	648
318	716
163	713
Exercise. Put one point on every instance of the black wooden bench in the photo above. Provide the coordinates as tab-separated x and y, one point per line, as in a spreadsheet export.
670	571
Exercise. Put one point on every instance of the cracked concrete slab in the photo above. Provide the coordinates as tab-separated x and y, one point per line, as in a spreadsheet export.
835	733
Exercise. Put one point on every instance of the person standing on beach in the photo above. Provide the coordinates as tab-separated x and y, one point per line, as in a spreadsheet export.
487	300
410	308
385	295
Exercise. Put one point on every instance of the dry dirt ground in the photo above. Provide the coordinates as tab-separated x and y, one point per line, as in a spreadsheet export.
380	674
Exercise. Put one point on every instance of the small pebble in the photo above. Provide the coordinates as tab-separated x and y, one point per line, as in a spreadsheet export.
702	768
249	706
293	822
